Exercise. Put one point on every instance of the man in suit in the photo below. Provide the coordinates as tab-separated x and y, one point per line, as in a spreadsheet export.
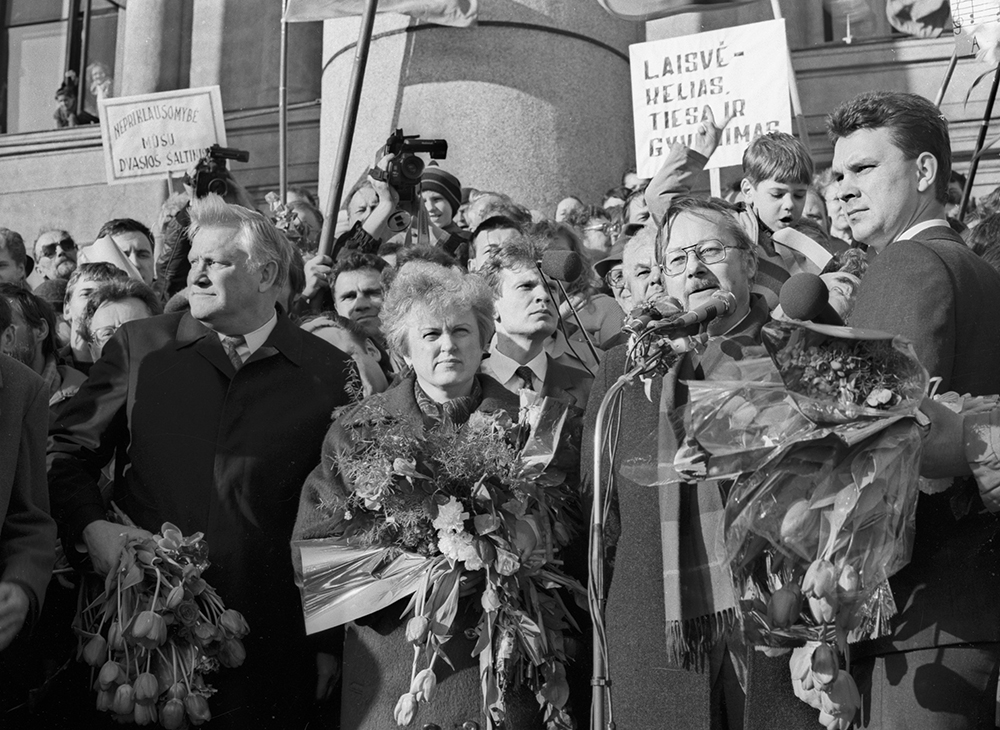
27	533
526	319
214	418
892	159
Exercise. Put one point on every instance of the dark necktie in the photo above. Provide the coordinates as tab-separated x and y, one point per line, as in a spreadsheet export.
230	345
526	376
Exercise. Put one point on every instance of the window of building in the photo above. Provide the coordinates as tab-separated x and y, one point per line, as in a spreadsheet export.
42	40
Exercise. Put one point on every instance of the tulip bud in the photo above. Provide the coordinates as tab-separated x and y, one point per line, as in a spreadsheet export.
842	698
424	685
784	606
820	580
231	653
234	623
406	708
145	714
800	523
95	652
147	689
834	722
823	609
177	691
111	675
105	697
175	597
172	714
800	663
197	709
204	633
825	666
124	701
115	639
416	629
848	583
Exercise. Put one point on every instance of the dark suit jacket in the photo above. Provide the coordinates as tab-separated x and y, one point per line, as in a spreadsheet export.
27	533
562	382
213	450
936	292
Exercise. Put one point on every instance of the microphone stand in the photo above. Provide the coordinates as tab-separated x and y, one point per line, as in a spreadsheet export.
600	678
586	337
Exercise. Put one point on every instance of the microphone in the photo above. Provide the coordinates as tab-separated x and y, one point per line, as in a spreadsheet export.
562	265
721	304
805	297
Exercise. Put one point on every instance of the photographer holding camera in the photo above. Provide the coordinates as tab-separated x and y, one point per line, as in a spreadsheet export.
210	175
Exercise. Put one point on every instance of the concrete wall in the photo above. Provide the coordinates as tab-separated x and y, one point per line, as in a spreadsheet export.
534	100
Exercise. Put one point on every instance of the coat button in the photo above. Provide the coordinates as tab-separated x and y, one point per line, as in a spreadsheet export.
470	725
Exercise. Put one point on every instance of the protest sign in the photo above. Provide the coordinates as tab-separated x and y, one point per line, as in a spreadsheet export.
741	71
155	134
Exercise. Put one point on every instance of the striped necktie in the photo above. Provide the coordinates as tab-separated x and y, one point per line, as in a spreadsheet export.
231	345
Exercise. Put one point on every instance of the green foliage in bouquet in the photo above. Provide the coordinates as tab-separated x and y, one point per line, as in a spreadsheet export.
156	630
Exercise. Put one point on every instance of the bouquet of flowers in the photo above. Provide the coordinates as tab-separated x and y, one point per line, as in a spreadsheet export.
156	630
485	507
822	509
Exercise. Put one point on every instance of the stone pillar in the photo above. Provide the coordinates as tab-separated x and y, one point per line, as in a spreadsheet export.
534	101
157	45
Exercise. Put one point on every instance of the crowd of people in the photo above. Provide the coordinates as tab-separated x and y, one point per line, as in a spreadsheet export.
206	370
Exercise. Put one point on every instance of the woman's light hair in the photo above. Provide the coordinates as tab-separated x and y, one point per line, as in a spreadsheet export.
255	233
422	289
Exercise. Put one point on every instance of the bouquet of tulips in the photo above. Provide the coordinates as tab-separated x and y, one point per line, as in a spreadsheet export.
156	630
824	456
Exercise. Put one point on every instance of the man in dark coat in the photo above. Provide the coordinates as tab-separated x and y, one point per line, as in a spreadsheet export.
214	417
27	533
892	158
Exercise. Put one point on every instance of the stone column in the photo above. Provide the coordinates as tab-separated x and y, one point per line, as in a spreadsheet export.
534	101
157	44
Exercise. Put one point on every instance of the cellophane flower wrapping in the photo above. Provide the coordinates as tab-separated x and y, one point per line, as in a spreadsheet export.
823	453
485	508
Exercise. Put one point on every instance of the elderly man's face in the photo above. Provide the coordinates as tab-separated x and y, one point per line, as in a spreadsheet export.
55	257
643	275
139	250
567	206
691	236
109	317
357	295
10	272
525	307
881	190
224	292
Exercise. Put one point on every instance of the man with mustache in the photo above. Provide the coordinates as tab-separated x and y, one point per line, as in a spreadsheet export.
526	319
892	158
670	657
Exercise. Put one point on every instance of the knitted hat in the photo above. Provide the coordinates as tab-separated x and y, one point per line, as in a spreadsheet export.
444	183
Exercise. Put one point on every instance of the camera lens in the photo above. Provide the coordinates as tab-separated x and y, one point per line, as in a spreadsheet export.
218	187
410	168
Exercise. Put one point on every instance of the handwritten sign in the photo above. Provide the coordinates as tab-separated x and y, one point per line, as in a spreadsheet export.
156	134
741	71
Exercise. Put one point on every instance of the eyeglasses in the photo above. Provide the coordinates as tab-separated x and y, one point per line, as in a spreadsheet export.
615	278
101	336
49	249
708	252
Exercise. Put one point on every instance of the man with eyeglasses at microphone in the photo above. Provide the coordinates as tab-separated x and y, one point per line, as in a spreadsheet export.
672	625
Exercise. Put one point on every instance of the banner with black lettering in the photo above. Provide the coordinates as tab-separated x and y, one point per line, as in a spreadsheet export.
741	71
153	135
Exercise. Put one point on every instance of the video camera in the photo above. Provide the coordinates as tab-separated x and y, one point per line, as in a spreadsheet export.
210	174
405	168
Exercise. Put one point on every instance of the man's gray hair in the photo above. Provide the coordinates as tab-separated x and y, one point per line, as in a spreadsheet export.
421	288
255	233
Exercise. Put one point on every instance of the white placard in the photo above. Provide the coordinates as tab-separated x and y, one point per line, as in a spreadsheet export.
156	134
741	70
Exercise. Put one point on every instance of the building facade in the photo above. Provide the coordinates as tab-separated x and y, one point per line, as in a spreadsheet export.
534	100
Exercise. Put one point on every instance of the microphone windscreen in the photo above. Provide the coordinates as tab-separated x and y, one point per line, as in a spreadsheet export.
562	265
804	296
